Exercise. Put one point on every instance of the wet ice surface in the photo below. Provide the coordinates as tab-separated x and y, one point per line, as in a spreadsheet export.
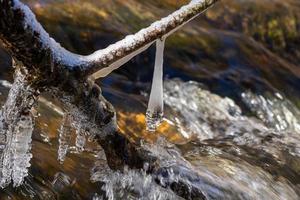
236	156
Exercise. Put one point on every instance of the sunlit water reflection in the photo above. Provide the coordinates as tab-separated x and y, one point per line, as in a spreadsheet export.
236	155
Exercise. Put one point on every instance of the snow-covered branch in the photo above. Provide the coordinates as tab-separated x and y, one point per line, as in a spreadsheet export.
26	39
102	62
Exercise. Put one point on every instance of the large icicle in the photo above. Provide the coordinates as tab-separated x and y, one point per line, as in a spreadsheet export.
155	106
16	128
64	137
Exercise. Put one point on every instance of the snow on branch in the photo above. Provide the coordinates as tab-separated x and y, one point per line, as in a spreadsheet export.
26	39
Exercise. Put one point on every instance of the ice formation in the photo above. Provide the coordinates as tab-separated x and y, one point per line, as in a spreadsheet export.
155	106
16	127
16	155
64	137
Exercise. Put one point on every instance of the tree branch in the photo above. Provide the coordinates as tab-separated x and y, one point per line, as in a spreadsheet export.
102	62
50	66
26	40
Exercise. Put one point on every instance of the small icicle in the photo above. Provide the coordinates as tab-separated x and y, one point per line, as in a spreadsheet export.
21	147
64	137
155	106
80	140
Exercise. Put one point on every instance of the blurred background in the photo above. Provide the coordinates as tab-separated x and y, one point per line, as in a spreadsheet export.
241	59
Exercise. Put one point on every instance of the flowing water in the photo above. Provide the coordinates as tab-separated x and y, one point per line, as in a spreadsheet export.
236	156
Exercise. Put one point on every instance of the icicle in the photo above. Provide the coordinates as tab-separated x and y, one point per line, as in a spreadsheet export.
155	106
16	127
21	149
16	154
64	137
80	140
